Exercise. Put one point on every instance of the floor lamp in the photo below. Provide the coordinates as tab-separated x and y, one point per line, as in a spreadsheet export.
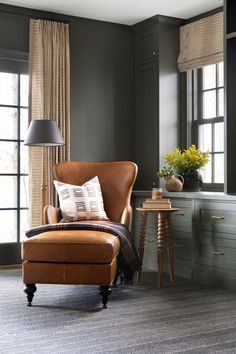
44	133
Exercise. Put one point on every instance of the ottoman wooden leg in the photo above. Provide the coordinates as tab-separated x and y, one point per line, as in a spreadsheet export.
30	290
104	291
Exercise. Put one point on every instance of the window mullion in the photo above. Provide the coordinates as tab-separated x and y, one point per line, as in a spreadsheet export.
213	155
18	158
217	92
199	95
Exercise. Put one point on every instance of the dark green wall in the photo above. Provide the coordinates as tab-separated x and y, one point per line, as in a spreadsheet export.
13	31
101	81
101	91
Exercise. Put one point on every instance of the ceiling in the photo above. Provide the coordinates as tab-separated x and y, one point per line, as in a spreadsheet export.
121	11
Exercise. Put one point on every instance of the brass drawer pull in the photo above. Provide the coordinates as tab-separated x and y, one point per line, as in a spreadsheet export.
179	213
218	217
218	253
178	244
152	241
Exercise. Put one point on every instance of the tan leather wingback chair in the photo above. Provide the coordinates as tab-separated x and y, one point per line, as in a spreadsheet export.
81	256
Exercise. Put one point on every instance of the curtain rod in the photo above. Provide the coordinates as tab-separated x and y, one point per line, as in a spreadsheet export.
27	12
50	19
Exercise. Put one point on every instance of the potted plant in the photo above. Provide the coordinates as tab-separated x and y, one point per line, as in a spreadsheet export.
165	172
172	183
188	163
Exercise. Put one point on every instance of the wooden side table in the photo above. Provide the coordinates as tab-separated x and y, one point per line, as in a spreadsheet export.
164	236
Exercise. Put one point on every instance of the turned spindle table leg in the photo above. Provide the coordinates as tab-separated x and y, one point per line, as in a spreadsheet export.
169	243
164	239
142	235
160	245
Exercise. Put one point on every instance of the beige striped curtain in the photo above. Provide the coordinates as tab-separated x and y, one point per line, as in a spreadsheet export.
201	43
49	73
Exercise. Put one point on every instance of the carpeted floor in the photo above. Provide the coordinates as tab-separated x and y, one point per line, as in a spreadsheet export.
184	318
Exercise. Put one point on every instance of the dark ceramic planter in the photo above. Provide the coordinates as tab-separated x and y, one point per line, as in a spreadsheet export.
192	181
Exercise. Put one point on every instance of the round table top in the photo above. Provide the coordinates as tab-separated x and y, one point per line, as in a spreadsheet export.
170	210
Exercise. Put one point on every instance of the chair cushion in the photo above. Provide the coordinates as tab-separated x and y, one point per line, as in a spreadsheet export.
81	202
71	246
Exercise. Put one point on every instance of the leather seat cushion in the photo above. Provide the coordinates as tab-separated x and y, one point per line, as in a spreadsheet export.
71	246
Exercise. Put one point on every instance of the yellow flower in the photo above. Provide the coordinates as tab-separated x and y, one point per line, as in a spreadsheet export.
187	160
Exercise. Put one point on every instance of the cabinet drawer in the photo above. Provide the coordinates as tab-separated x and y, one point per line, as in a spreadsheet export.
183	249
182	219
216	252
216	217
183	246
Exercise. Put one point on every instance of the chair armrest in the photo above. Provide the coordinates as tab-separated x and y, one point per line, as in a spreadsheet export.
126	217
51	215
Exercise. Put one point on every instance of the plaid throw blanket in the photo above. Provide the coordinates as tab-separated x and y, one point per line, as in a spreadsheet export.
128	259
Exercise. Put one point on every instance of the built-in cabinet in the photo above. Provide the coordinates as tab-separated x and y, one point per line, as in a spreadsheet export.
215	241
156	94
183	237
204	237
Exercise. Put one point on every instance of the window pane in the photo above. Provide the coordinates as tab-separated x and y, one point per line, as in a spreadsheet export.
207	172
209	104
219	168
24	90
8	192
221	102
24	224
24	191
23	123
205	137
221	74
8	123
219	137
8	88
8	157
24	150
8	226
14	189
209	76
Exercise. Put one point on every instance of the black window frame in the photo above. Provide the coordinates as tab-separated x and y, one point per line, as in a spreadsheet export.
15	63
197	91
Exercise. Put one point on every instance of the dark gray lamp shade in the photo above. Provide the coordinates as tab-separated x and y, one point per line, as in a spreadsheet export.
43	132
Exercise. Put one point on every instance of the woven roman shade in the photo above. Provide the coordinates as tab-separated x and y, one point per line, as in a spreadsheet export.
201	43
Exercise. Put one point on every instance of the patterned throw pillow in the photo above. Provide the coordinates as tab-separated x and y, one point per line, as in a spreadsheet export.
81	202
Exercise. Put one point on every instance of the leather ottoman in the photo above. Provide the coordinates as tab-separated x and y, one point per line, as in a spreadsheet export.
70	257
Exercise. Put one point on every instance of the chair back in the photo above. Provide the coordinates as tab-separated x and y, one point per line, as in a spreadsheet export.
116	180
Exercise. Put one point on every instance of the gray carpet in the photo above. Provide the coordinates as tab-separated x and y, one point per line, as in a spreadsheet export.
184	318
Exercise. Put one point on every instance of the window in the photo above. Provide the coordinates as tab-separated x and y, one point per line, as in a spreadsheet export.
13	156
208	120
